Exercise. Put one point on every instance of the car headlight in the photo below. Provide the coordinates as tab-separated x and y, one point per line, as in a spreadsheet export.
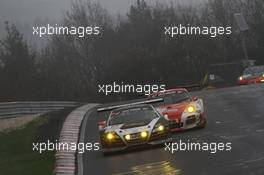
159	128
143	134
241	78
190	109
109	136
128	137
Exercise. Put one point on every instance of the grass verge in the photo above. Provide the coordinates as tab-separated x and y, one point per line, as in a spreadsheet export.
16	155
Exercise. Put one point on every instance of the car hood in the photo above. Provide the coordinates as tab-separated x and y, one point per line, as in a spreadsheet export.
249	77
128	128
135	124
173	110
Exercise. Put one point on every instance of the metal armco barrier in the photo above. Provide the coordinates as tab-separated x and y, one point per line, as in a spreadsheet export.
11	109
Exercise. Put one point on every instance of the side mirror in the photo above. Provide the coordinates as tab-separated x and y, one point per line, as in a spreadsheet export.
195	98
101	125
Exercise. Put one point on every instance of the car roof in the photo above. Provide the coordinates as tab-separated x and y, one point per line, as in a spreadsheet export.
168	91
255	67
133	107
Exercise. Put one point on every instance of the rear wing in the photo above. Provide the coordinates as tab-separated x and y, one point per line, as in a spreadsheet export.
130	104
192	87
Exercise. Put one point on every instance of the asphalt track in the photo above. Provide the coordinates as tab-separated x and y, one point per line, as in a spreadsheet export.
235	115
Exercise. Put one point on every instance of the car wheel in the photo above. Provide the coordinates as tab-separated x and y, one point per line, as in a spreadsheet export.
202	124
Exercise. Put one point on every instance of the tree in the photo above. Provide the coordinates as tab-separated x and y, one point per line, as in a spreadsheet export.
17	70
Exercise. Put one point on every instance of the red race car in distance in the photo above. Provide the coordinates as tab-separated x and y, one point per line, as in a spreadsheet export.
183	111
252	75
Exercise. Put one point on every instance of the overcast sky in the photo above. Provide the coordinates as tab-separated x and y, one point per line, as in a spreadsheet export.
28	10
24	12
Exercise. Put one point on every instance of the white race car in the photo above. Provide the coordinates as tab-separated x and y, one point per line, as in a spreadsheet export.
133	126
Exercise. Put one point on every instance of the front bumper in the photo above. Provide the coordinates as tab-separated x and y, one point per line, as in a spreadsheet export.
148	144
151	141
254	81
188	122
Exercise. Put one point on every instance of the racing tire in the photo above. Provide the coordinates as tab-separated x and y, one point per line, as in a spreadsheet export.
202	125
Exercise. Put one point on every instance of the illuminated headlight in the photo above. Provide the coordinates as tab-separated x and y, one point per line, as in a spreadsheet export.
128	137
241	78
190	109
109	136
159	128
144	134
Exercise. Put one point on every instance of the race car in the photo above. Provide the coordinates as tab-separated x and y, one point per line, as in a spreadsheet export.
252	75
133	126
180	109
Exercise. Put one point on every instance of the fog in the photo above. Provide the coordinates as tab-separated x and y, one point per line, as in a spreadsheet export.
24	13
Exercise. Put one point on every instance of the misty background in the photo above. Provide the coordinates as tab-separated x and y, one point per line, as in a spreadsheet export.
26	13
132	48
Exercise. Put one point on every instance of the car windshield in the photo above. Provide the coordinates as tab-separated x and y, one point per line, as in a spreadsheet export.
176	97
133	115
254	71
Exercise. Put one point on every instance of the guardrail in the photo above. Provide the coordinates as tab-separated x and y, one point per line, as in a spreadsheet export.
10	109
